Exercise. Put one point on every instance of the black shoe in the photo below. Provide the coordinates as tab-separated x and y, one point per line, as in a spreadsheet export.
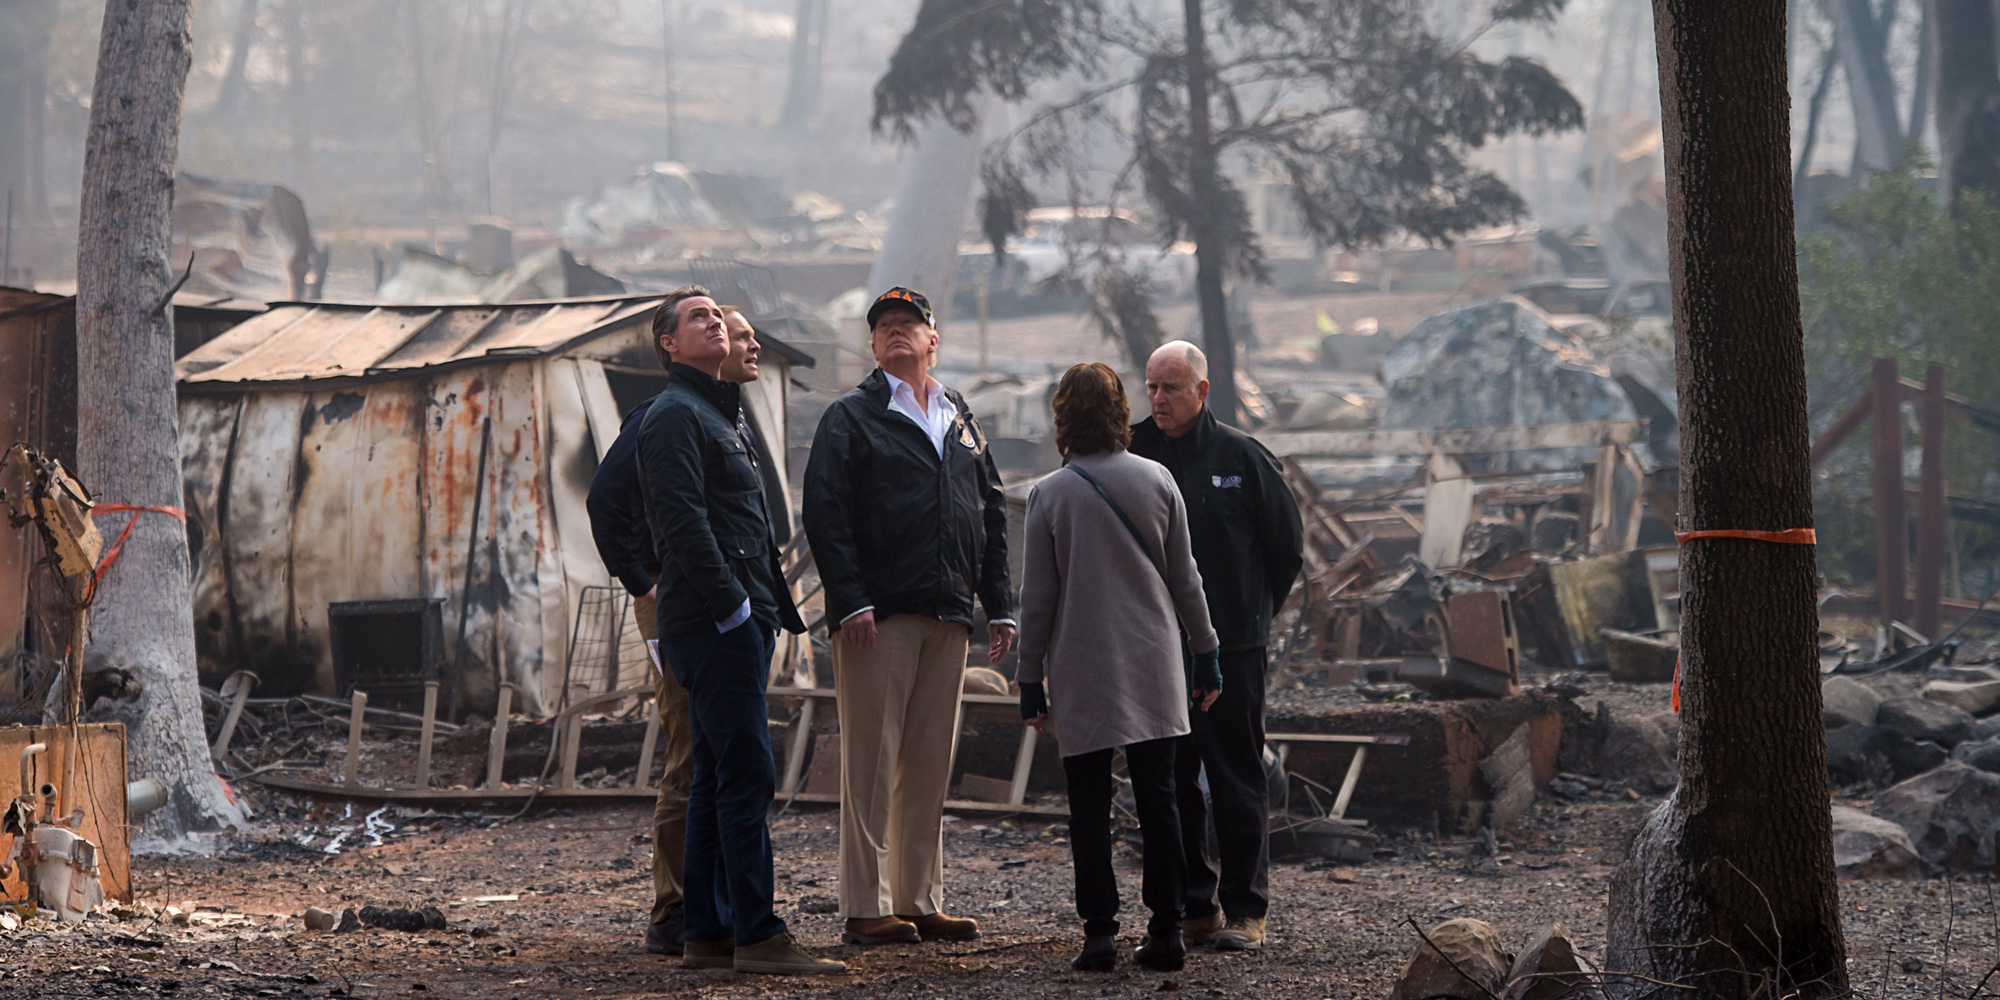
1162	953
1100	954
664	938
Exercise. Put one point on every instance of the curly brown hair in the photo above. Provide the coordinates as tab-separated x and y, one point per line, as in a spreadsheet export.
1092	415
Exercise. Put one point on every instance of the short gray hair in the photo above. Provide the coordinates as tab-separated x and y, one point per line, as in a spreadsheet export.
1181	350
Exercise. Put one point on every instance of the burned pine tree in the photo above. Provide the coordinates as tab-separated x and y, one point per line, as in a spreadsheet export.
1361	107
127	440
1729	887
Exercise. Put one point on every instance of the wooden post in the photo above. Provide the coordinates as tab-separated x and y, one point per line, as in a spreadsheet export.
1349	783
496	751
1024	763
572	736
1931	510
350	769
1891	522
795	751
245	682
429	733
642	776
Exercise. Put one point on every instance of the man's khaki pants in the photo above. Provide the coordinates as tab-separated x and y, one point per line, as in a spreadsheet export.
670	810
899	708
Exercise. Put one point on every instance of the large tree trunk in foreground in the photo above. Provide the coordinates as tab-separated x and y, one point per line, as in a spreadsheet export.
933	192
1730	884
1217	341
1968	97
127	440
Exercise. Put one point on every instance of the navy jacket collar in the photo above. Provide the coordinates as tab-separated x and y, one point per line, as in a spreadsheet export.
724	396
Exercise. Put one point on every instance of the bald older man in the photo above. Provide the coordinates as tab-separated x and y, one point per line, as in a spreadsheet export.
1249	544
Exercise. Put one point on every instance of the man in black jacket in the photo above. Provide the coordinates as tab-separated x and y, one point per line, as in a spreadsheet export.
720	595
908	523
1249	544
617	506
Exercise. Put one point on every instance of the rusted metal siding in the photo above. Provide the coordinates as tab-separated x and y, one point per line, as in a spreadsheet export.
37	406
207	427
354	523
257	516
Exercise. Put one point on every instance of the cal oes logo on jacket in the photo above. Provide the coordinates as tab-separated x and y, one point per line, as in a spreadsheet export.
1227	482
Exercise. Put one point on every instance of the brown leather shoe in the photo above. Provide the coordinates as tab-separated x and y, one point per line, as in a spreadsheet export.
867	931
939	927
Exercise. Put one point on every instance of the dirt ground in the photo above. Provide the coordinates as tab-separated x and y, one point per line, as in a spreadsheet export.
566	892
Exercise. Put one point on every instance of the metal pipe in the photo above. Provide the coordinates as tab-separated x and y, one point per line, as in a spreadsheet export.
27	781
142	797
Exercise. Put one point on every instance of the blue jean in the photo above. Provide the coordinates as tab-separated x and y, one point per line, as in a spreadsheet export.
729	882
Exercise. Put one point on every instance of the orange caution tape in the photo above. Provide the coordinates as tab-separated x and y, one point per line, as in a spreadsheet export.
1789	536
118	545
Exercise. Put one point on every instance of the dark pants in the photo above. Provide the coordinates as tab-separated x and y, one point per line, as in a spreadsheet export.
1089	775
1228	742
729	882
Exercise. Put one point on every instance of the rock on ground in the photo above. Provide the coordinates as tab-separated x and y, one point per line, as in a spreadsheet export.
1983	754
1950	814
1973	697
1877	756
1456	950
1635	751
1543	970
1867	846
1849	702
1920	719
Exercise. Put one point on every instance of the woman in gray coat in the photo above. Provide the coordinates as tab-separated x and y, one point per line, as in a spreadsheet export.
1108	587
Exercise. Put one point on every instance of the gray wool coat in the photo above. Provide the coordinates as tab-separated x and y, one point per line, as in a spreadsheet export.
1099	624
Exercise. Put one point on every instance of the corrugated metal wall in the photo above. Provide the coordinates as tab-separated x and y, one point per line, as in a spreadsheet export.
38	407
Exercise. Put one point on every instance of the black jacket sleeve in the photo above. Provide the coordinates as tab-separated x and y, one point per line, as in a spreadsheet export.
829	515
671	446
1280	531
618	512
996	592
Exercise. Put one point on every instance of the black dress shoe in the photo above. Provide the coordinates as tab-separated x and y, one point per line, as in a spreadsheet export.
664	938
1100	954
1161	953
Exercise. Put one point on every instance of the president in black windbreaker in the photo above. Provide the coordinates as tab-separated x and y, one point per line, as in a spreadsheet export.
1249	544
721	596
908	524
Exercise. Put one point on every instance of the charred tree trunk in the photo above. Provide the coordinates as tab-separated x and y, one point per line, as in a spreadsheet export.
1968	97
1208	250
802	81
933	191
230	100
1729	887
298	117
127	441
1862	44
24	89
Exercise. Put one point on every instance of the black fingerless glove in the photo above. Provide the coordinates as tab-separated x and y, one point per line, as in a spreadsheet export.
1034	700
1207	673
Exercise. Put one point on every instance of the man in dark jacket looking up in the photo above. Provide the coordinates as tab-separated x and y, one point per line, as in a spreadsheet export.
907	522
617	505
721	596
1249	545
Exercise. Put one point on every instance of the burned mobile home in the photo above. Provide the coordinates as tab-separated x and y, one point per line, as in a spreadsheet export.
379	495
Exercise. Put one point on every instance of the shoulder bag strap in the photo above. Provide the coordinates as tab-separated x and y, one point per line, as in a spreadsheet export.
1130	528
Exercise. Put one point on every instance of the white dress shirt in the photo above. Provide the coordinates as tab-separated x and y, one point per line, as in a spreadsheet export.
937	421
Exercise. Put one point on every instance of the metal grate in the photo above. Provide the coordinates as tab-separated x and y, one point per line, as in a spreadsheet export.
752	287
603	614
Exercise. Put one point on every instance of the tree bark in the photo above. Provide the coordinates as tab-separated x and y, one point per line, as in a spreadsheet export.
24	88
1968	97
1216	339
1729	887
127	439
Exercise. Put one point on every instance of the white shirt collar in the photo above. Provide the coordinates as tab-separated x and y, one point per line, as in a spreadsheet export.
935	420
